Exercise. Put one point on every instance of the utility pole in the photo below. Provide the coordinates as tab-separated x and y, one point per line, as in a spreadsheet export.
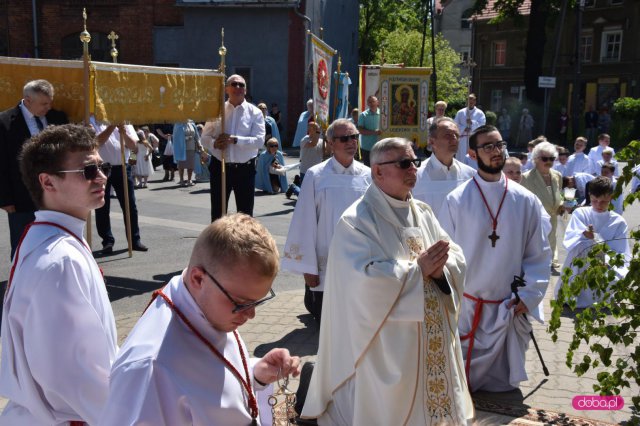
575	98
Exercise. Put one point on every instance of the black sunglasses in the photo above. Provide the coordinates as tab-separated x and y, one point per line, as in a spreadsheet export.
240	307
547	159
90	171
404	164
347	138
489	147
237	84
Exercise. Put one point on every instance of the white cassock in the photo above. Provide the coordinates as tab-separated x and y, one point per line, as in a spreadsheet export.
609	227
327	190
581	183
595	153
165	375
614	163
58	331
468	118
500	339
436	181
389	351
579	163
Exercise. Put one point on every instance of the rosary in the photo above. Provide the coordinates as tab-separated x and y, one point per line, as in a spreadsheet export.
282	403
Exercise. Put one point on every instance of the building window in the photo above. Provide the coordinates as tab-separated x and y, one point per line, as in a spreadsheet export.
464	54
586	47
496	100
611	46
500	53
465	19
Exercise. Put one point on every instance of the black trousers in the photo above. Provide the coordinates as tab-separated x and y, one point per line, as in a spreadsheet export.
241	179
103	222
313	302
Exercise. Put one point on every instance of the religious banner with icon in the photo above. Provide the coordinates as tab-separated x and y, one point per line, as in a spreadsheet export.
142	94
404	96
65	76
322	63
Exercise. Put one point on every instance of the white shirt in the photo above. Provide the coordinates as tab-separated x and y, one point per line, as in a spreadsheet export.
309	155
246	123
595	153
327	190
579	163
58	331
31	120
614	163
477	118
110	150
165	375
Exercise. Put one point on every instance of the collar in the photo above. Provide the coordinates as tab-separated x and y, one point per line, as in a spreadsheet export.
243	105
489	185
435	163
73	224
385	205
25	111
340	169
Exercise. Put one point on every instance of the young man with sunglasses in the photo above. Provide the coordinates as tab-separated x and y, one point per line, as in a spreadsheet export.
184	363
243	136
327	190
392	291
441	173
58	330
499	226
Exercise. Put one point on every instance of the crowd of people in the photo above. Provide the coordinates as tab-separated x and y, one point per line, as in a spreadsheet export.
408	265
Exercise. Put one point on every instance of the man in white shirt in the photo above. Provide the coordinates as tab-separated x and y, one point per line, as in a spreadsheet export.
579	162
595	153
184	362
311	147
389	352
327	190
481	216
441	172
468	119
108	137
243	136
58	330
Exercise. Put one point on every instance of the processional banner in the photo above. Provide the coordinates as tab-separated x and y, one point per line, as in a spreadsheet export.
322	63
369	84
404	99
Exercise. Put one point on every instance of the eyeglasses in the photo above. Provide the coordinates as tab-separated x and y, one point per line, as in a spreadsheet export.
489	147
90	171
237	84
405	163
240	307
547	159
272	146
347	138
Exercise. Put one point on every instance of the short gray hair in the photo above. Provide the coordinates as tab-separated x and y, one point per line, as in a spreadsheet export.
387	145
38	86
340	122
435	123
544	148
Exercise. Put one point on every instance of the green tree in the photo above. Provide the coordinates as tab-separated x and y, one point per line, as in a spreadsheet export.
401	46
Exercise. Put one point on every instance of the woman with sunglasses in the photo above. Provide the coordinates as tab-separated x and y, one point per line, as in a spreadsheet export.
546	184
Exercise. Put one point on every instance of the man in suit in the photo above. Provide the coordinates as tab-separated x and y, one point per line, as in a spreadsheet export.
17	125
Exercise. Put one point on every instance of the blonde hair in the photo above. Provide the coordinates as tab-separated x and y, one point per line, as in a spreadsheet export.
236	239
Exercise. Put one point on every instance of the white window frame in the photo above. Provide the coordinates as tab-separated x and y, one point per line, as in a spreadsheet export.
584	57
496	99
604	43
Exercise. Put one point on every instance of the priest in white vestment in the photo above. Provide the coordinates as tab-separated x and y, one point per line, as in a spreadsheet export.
327	190
441	173
184	362
58	330
592	225
499	226
468	119
389	351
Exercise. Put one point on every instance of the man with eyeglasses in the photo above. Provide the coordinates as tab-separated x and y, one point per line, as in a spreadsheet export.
185	363
243	136
58	330
499	226
327	190
441	173
392	292
17	125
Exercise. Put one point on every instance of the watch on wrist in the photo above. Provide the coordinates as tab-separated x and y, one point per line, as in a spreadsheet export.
235	140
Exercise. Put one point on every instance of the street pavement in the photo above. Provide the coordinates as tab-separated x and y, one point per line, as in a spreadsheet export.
171	218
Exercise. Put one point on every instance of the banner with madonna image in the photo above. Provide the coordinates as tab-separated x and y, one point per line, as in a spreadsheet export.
322	63
404	100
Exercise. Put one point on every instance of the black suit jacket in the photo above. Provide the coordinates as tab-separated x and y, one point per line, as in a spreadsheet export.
14	132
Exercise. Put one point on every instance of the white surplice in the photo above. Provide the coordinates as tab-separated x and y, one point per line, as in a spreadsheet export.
609	227
436	181
165	375
579	162
327	190
498	358
472	118
58	330
389	351
595	153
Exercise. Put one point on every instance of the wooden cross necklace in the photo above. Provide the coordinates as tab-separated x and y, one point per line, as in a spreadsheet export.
494	219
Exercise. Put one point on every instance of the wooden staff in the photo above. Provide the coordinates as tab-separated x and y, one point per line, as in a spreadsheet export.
222	51
85	38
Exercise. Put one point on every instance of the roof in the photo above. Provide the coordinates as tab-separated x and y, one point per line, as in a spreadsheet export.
490	13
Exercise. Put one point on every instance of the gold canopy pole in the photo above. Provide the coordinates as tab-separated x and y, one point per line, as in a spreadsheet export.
125	181
222	51
85	38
